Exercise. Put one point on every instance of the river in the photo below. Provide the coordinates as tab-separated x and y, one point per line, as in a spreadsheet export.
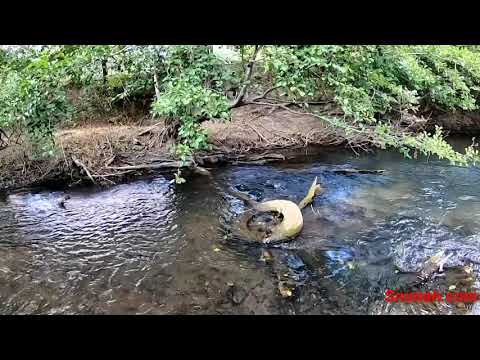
151	247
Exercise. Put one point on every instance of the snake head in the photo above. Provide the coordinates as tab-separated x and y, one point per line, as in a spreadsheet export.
268	238
318	190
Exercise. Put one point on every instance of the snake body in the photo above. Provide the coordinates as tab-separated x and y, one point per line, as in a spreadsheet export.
290	225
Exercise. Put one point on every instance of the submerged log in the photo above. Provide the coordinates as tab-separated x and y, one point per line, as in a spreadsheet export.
260	159
211	159
163	165
357	171
61	202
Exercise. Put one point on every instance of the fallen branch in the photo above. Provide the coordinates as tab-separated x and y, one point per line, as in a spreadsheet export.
105	178
149	129
357	171
258	133
268	91
254	162
313	191
164	165
82	165
110	161
110	175
266	157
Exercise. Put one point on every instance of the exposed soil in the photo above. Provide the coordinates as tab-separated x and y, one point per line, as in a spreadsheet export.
110	143
102	145
460	122
263	127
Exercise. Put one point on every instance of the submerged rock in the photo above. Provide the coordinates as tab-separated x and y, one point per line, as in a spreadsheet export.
235	294
61	202
294	262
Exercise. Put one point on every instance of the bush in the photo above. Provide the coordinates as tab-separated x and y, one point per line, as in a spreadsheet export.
371	82
33	100
193	90
187	84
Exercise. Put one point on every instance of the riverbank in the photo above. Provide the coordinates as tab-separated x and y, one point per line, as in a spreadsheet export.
98	152
105	153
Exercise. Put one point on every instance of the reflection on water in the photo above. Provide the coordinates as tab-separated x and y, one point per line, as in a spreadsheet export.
151	248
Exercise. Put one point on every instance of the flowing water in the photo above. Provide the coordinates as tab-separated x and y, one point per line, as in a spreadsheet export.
150	247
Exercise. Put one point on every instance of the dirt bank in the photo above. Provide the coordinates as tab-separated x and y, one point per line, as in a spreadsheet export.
94	153
459	123
107	153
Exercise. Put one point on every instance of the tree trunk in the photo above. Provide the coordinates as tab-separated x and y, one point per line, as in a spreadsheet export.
238	101
104	71
156	84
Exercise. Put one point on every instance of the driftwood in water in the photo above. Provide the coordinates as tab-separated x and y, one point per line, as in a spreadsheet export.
260	159
153	166
62	201
164	165
253	162
357	171
211	159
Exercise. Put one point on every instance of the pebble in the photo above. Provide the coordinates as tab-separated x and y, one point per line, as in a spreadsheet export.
266	256
294	262
284	290
236	295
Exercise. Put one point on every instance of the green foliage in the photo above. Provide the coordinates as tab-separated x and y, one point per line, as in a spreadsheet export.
33	99
372	80
192	91
369	83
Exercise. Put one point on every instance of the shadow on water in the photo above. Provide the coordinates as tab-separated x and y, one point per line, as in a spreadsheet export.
151	248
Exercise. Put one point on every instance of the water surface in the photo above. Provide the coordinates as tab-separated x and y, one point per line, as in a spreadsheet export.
150	247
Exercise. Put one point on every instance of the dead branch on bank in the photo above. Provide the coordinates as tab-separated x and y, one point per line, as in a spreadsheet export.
164	165
262	96
82	165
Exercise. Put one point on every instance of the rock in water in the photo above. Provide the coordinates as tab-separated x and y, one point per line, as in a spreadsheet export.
62	201
236	295
294	262
201	171
266	256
